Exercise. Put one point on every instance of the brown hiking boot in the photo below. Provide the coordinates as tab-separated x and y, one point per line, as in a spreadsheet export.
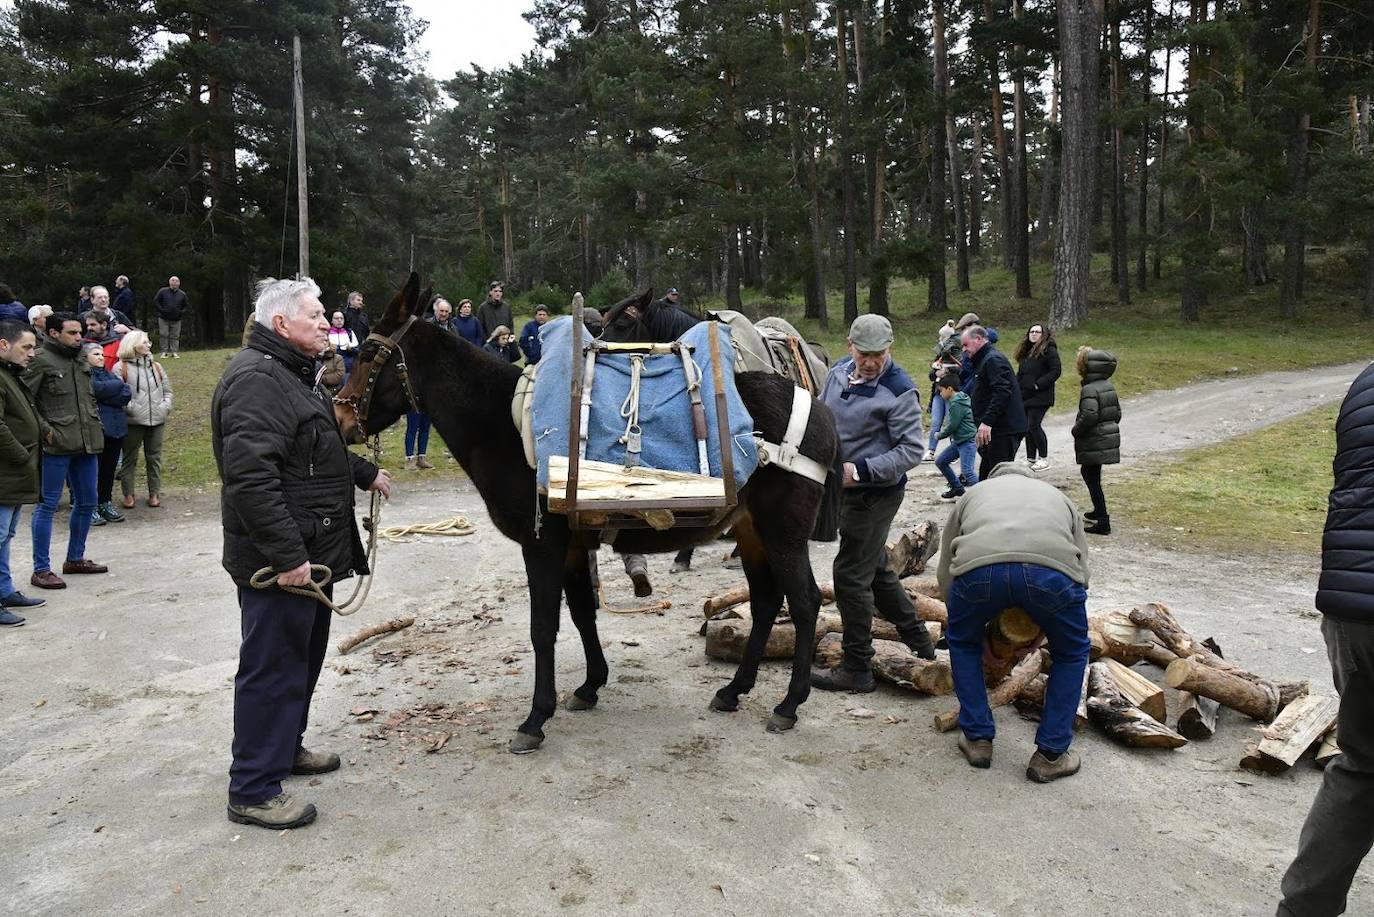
281	811
978	752
422	462
82	566
310	762
1042	770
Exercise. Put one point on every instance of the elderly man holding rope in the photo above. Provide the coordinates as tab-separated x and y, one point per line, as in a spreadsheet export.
286	503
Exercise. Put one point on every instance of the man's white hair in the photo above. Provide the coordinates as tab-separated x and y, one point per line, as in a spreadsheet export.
36	311
100	288
281	297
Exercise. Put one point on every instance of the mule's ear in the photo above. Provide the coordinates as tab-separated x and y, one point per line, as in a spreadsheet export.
427	297
403	303
412	293
645	299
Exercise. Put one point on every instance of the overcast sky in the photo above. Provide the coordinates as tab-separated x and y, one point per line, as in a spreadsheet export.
489	33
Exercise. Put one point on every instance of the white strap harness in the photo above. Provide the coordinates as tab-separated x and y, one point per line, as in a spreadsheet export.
786	454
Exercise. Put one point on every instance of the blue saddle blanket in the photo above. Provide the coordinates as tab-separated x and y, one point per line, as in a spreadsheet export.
665	408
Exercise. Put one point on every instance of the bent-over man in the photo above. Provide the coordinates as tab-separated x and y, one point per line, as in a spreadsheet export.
877	412
287	502
1014	541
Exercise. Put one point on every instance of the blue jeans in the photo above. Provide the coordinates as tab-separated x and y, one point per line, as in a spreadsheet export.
9	525
1058	605
939	407
417	433
967	454
80	472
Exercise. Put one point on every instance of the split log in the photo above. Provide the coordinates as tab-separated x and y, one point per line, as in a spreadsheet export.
895	664
1030	703
1251	760
376	630
723	600
927	586
1159	619
1328	748
1301	723
1138	690
1001	695
1256	700
907	555
1197	716
927	609
726	636
1120	639
1159	656
1120	719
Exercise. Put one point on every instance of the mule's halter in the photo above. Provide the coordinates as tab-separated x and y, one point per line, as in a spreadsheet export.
386	344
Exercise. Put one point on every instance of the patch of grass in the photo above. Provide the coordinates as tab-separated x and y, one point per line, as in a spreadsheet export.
1267	488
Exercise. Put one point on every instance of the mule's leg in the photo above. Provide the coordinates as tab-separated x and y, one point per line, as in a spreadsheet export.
580	590
544	571
792	568
765	598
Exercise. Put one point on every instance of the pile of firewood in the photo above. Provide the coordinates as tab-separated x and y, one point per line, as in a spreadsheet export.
1117	694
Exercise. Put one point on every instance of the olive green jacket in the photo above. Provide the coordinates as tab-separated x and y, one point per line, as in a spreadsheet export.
19	434
60	380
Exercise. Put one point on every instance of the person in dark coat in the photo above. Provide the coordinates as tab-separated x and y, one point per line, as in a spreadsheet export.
11	309
355	317
996	400
442	316
20	458
466	325
666	319
494	311
123	302
529	335
111	395
1338	832
286	503
1037	369
1096	434
502	344
171	304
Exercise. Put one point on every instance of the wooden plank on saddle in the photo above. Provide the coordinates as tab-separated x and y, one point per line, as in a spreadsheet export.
607	486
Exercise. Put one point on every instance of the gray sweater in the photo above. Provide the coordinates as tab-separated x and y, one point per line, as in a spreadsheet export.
879	422
1013	518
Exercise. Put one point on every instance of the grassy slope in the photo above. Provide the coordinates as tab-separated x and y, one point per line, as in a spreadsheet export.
1240	329
1267	487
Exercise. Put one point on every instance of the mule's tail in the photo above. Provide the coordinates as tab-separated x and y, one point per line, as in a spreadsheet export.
827	527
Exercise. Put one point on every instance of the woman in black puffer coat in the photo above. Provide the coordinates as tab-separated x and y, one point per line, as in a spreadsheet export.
1037	369
1097	431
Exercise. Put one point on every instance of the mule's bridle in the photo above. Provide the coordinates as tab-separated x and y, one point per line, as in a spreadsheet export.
386	345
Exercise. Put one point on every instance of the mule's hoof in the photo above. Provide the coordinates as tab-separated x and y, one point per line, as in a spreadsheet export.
524	743
574	702
722	705
779	722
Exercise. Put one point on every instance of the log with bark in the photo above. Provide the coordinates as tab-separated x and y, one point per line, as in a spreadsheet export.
1251	760
1328	749
1115	636
1138	690
895	664
727	636
1197	716
907	555
927	609
1000	696
1300	726
1008	638
1120	719
376	630
1159	619
1256	699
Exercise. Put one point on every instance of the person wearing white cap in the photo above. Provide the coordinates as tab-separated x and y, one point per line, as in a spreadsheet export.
877	410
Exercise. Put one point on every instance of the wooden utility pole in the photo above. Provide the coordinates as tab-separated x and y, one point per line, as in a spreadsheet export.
302	208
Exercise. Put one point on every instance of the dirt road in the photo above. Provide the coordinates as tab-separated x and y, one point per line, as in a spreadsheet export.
115	726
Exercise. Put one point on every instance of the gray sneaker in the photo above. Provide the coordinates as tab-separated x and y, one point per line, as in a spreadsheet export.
978	752
1043	770
281	811
9	618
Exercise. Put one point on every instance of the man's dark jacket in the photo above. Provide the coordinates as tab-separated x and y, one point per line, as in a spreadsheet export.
996	396
356	320
667	322
123	303
171	304
1346	587
492	314
529	341
20	455
288	478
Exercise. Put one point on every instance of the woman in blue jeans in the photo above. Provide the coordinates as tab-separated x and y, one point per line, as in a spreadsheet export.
1015	542
417	440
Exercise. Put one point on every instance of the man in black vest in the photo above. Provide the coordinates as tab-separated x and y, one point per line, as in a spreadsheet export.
287	502
1339	830
171	303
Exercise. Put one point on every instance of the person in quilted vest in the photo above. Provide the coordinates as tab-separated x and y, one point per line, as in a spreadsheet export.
150	403
1096	434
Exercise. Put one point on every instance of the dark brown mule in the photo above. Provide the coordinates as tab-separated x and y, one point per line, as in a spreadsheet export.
467	394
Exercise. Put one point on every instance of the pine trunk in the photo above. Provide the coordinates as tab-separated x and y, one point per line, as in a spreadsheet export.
1142	271
999	142
1196	213
1120	244
975	191
1021	202
956	187
847	192
1080	22
1295	228
936	299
